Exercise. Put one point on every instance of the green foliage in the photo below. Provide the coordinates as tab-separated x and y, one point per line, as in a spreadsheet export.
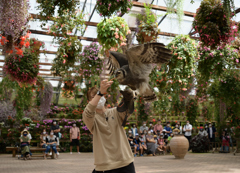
192	111
107	8
212	64
112	32
48	7
227	88
70	46
142	113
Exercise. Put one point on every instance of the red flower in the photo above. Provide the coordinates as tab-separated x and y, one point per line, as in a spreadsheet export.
27	44
19	51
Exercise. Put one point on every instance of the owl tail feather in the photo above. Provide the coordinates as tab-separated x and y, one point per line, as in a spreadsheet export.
149	95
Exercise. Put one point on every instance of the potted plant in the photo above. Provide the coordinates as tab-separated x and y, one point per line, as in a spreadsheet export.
112	33
213	24
107	8
147	26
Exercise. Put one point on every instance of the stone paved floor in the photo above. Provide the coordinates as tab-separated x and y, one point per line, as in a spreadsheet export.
83	163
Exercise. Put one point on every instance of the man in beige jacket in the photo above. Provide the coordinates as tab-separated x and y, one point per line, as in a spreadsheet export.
112	153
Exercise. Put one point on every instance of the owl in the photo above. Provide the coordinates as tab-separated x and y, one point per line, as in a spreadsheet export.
133	67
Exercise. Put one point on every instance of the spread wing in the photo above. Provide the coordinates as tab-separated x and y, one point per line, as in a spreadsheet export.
141	58
116	61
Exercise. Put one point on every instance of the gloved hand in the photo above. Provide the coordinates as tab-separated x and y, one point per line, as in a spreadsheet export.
127	102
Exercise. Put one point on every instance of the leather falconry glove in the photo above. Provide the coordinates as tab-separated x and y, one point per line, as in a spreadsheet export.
127	102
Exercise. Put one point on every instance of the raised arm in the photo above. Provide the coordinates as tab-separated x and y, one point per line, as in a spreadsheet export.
89	111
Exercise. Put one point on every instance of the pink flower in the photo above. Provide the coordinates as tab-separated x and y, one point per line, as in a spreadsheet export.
129	31
112	29
237	61
122	25
123	44
117	29
64	61
116	36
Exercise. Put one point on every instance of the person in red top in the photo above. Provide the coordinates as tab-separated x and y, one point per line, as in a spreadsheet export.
158	126
225	142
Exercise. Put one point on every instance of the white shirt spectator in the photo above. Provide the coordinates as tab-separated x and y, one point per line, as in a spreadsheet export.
188	127
211	132
180	128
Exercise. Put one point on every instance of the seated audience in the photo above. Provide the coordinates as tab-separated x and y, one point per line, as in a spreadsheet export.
51	142
25	141
43	137
137	146
150	143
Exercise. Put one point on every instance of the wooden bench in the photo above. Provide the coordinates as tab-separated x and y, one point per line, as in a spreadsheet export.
32	149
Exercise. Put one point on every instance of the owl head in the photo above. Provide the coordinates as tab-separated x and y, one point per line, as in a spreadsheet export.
120	74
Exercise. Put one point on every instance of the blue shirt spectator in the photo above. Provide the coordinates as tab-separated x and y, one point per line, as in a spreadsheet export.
168	129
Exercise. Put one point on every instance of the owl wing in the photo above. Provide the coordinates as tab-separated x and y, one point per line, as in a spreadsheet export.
141	58
116	61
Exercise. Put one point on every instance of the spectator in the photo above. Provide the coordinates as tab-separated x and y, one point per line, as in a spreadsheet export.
162	144
137	146
176	130
150	143
179	126
25	142
143	141
211	132
165	136
30	138
168	129
130	139
51	142
56	130
225	141
43	137
158	126
188	131
151	127
74	137
168	143
143	127
156	143
202	131
158	134
134	130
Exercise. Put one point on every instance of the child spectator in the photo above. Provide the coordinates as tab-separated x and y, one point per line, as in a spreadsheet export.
162	144
137	146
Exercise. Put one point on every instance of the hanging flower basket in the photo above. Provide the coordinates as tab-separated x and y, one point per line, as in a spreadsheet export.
112	32
107	8
212	24
47	7
69	84
147	27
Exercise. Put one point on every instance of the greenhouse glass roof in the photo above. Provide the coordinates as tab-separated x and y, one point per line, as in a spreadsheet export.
167	23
